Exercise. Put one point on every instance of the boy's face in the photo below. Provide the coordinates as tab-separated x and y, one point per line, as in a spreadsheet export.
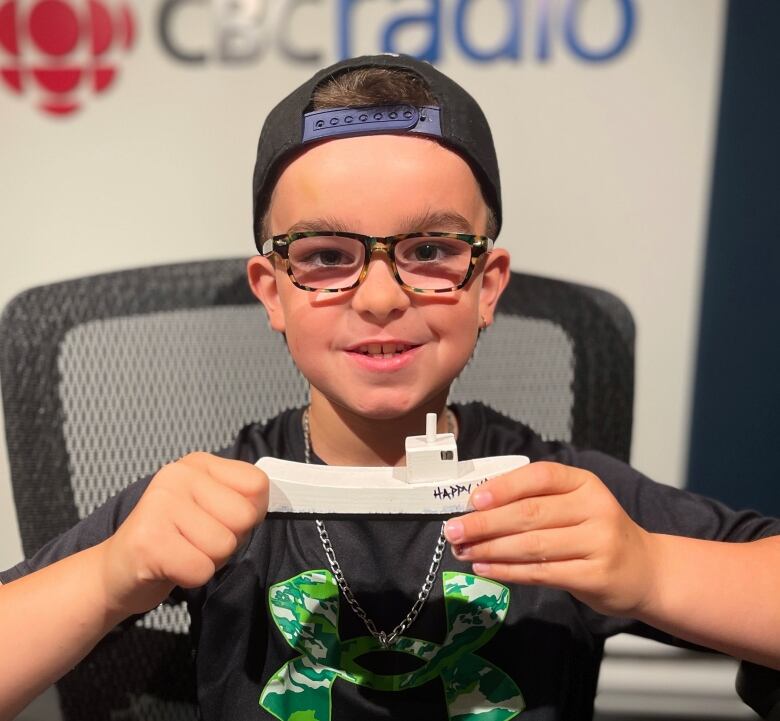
379	185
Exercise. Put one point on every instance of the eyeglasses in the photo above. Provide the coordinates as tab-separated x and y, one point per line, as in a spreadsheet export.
422	262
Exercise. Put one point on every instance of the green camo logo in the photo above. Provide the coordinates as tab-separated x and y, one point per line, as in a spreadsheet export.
306	611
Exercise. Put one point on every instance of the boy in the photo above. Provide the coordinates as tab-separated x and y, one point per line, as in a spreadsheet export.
559	554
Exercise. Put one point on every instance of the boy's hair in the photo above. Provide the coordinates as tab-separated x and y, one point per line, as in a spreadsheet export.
367	87
372	86
406	96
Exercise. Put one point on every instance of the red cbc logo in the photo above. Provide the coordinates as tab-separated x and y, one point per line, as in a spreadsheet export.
61	51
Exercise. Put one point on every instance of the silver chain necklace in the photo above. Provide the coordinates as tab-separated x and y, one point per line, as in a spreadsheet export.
386	640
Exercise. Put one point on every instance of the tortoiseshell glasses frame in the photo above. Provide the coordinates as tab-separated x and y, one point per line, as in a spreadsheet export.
479	245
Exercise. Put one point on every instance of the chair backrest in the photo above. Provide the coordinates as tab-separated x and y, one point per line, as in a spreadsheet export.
759	688
105	378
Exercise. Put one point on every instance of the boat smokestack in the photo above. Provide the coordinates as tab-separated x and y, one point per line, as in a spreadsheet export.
430	427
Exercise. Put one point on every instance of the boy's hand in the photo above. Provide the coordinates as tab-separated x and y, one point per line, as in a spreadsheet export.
192	517
553	525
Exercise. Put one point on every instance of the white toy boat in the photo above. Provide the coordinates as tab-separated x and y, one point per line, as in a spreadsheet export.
433	483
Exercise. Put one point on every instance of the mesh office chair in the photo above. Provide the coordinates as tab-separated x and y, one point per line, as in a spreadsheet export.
106	378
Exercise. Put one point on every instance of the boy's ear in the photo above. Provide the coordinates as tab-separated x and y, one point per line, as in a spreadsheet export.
495	277
262	280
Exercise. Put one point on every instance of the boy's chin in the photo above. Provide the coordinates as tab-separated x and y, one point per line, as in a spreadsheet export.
389	407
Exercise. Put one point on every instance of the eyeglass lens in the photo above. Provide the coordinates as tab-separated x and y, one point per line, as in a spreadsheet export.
422	262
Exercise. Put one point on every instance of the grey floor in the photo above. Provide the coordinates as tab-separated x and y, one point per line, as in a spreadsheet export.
44	708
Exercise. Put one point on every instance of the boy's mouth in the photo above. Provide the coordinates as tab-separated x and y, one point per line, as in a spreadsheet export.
382	350
383	356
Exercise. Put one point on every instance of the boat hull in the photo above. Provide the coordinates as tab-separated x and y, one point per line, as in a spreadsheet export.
300	488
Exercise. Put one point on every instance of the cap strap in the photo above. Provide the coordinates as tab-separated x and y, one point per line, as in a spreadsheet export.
335	122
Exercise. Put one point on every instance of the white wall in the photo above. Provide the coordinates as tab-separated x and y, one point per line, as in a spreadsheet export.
605	169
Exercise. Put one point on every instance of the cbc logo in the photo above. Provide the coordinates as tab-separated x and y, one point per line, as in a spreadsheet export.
60	52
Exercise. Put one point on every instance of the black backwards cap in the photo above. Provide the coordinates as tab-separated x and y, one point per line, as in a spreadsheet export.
457	120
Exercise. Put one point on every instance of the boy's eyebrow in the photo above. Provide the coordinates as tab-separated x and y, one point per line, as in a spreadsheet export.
324	223
447	220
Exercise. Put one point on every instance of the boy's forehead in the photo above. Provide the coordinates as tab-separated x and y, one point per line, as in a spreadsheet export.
378	184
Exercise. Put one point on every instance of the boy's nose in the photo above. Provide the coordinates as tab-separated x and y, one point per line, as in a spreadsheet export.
380	295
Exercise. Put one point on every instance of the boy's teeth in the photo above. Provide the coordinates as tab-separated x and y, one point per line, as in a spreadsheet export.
382	350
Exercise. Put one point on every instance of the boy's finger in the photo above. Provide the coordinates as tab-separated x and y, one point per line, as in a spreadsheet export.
535	479
206	533
241	476
185	564
526	514
568	575
232	509
552	544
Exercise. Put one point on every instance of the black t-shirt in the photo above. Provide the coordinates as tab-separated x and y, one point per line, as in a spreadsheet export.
274	637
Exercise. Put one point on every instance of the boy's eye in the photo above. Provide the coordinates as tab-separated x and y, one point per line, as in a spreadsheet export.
427	250
322	252
330	256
